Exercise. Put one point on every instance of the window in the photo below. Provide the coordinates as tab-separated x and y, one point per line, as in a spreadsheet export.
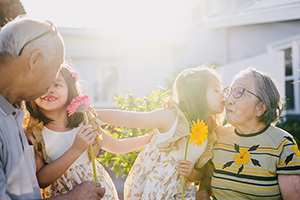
104	88
289	82
292	77
99	81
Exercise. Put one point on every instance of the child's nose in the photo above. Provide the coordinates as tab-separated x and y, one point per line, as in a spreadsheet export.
51	88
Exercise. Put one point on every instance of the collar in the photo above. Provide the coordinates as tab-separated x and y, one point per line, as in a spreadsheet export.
5	106
252	134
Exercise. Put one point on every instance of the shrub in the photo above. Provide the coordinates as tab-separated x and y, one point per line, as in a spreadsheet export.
128	102
293	127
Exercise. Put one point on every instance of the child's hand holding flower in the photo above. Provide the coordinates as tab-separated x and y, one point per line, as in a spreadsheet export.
84	138
81	104
196	137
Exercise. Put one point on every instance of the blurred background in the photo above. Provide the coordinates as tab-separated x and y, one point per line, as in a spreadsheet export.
119	46
135	45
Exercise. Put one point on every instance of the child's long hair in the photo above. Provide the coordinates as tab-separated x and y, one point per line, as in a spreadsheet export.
189	91
73	92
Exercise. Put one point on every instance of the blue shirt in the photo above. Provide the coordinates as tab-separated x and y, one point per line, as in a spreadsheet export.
17	163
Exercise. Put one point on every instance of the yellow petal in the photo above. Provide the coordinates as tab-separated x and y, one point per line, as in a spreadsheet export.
242	151
246	160
238	162
247	154
236	156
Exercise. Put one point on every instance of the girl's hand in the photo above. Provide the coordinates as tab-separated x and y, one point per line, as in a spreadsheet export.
84	138
185	167
202	195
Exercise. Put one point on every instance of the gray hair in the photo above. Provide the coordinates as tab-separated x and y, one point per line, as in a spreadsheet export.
21	30
268	93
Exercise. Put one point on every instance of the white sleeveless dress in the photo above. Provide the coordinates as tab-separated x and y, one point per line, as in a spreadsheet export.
155	174
56	144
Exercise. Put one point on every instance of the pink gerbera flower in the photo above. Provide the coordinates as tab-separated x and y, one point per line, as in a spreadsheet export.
79	104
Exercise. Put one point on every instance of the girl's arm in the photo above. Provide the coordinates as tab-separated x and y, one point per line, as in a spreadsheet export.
205	190
49	173
161	119
123	146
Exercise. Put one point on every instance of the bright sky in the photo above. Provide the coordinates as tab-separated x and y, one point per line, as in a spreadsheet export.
129	18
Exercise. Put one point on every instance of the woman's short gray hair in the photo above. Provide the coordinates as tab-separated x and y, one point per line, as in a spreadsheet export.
21	30
267	91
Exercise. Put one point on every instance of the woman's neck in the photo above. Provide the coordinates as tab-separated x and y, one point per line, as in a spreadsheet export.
247	129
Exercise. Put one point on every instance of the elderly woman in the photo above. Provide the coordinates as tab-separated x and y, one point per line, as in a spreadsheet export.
253	159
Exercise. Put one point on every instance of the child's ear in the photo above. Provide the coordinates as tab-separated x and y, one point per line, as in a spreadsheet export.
260	109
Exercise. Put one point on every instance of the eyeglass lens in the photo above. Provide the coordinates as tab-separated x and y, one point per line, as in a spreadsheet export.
238	92
226	92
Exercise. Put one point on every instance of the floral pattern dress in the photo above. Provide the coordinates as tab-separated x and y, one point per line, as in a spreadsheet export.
50	148
56	143
155	174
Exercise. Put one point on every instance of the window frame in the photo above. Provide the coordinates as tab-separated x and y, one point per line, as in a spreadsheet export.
294	44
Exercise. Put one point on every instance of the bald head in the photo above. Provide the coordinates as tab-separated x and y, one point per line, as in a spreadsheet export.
31	54
29	35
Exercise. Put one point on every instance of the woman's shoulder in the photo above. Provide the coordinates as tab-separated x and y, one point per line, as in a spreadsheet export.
224	130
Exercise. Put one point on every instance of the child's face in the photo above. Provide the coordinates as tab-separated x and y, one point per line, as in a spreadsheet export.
214	97
56	96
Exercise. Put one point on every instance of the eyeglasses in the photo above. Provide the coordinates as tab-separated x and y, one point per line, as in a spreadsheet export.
236	92
52	29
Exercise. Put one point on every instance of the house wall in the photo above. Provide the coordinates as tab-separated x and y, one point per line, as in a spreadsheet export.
252	40
203	46
270	63
223	46
140	66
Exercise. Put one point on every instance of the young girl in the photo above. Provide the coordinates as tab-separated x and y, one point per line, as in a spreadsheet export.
61	142
157	172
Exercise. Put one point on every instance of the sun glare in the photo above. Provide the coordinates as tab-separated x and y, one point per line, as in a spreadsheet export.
137	19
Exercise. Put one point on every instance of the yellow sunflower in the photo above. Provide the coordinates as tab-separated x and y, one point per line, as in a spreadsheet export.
199	133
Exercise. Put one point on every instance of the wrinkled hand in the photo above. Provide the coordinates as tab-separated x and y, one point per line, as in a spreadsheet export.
202	195
84	138
87	190
185	167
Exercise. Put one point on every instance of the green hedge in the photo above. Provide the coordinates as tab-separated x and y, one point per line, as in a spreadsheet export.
128	102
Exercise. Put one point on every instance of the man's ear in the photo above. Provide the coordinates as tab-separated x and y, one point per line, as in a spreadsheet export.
35	60
260	109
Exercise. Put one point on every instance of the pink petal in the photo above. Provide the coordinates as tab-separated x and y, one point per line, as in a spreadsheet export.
77	102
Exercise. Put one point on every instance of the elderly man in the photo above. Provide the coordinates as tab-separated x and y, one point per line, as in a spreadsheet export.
31	54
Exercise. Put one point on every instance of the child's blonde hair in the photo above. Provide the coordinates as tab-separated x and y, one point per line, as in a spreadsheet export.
189	92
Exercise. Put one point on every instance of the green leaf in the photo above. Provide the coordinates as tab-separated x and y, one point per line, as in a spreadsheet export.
228	164
241	169
289	158
253	148
255	162
237	147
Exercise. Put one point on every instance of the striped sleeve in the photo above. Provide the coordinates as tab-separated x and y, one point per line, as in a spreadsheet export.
289	160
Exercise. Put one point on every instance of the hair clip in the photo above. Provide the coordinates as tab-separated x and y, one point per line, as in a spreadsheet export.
73	72
187	72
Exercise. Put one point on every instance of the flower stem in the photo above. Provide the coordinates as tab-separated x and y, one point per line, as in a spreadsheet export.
86	122
182	179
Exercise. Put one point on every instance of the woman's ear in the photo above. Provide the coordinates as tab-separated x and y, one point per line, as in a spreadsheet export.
260	109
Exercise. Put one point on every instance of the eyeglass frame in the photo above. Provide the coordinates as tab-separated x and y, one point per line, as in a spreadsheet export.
232	91
52	29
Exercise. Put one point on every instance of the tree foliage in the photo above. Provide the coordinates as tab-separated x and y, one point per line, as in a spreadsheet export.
123	163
